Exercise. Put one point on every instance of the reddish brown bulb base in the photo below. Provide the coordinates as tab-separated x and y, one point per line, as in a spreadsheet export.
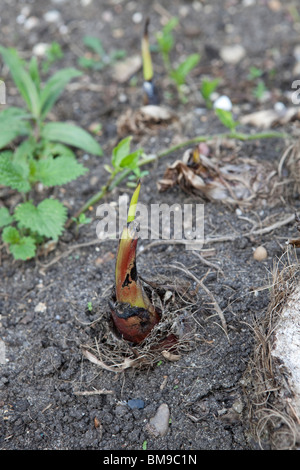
133	323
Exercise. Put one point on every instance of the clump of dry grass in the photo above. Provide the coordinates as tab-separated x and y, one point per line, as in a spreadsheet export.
274	422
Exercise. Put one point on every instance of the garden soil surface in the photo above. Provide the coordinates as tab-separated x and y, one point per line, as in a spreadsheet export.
51	395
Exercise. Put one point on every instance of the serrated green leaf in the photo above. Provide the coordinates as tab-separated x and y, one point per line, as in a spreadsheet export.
54	87
10	235
47	219
13	174
121	151
22	79
55	149
71	135
23	250
5	217
23	151
13	123
58	171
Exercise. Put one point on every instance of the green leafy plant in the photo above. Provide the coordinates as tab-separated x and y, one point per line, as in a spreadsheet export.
144	446
42	155
124	164
97	58
80	221
179	73
255	75
165	41
259	90
53	53
122	158
226	118
33	225
207	88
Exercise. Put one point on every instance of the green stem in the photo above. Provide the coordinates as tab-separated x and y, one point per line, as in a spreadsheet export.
116	178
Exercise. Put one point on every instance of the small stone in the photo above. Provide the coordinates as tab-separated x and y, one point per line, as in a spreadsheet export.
52	16
137	17
31	23
136	404
232	54
159	424
238	406
260	253
40	49
40	308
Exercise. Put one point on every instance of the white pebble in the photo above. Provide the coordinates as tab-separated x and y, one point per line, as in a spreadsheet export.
52	16
40	49
223	102
40	308
137	17
232	54
31	23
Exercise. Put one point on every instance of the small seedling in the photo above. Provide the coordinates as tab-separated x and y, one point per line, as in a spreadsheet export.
53	53
226	118
165	41
90	306
123	158
80	221
260	90
179	73
97	58
144	446
207	89
254	73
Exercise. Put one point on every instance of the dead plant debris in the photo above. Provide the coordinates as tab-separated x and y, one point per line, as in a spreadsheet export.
273	417
240	181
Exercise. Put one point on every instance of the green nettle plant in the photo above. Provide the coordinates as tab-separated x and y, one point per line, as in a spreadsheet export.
178	74
42	154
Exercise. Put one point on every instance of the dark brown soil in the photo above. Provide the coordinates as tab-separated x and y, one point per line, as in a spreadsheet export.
45	368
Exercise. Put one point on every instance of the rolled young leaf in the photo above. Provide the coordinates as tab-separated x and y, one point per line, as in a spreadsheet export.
138	316
150	91
146	56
